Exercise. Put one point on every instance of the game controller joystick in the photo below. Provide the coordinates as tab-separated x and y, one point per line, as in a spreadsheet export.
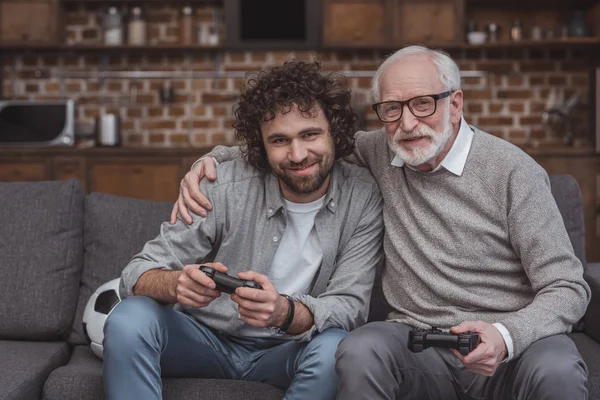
421	339
226	283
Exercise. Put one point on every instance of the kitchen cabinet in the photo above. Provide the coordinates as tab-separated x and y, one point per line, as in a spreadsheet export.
392	22
357	22
136	178
151	174
30	21
23	171
444	21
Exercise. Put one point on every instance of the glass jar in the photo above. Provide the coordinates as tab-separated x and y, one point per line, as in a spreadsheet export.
113	27
136	31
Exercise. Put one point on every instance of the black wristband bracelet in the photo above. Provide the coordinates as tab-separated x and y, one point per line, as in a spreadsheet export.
290	315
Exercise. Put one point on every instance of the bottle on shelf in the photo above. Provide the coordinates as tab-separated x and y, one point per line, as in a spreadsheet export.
186	26
136	32
516	32
112	24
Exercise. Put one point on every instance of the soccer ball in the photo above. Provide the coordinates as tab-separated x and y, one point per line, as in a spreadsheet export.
97	309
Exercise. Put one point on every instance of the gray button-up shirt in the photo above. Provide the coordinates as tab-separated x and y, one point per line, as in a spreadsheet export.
243	230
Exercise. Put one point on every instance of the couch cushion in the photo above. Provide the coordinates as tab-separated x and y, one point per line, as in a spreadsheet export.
590	351
115	229
26	365
568	198
41	225
81	378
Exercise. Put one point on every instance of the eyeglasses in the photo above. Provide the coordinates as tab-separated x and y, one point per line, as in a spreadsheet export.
420	107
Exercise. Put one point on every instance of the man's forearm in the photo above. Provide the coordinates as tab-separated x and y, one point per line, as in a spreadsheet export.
158	284
303	319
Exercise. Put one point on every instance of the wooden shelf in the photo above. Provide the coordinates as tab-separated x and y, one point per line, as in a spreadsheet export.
570	43
85	48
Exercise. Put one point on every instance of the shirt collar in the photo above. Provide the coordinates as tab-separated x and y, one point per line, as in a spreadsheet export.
456	158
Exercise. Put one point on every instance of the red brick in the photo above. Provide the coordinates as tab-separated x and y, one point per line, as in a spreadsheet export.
515	94
155	138
155	112
499	67
176	111
557	80
495	108
179	138
537	66
209	98
470	80
218	138
135	139
205	123
515	81
200	139
491	121
530	120
516	107
474	108
537	80
134	113
471	94
158	124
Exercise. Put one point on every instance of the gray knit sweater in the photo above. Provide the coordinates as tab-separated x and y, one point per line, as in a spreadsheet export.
488	245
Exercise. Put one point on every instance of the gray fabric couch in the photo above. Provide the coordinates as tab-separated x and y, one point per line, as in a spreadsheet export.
57	245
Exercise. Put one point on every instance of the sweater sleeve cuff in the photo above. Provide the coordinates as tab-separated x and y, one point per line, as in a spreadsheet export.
201	159
507	340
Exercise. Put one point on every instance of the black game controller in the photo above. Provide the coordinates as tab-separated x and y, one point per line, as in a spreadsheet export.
226	283
420	339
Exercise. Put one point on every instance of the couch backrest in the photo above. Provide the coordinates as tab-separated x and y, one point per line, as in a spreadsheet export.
568	198
115	229
41	226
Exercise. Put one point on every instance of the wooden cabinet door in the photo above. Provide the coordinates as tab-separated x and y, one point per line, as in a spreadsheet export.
434	22
356	22
23	171
138	179
23	21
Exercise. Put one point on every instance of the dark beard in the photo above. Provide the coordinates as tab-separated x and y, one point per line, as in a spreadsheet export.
307	184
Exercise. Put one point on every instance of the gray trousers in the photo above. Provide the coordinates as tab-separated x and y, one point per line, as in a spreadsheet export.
373	362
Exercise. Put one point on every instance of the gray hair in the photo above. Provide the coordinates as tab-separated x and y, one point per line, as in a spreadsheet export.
449	73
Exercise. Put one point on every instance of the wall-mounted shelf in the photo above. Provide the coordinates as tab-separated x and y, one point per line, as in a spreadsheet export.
86	48
570	43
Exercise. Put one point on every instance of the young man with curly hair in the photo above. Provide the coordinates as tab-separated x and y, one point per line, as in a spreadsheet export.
283	217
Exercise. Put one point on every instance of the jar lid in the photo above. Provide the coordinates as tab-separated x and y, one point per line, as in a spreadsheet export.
136	11
187	10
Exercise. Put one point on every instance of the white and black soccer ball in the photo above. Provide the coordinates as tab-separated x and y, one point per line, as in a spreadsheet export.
99	306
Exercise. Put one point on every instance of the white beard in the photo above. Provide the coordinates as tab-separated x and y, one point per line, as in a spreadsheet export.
422	153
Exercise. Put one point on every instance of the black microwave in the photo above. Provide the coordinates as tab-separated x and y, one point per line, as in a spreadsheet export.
36	123
273	24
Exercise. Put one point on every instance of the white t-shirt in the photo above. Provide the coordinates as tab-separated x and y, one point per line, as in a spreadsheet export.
298	256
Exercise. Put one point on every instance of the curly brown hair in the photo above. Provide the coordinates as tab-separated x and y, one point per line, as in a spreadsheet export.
295	83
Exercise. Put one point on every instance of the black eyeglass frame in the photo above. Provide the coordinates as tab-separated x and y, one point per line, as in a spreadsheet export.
435	98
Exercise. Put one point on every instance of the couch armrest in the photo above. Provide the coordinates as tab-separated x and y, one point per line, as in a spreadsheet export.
591	319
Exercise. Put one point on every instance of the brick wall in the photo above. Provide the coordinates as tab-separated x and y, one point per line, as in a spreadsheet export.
508	100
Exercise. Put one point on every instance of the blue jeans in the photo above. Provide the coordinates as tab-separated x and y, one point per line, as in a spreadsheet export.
144	340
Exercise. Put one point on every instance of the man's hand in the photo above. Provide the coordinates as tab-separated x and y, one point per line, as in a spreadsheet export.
194	288
189	192
488	354
260	308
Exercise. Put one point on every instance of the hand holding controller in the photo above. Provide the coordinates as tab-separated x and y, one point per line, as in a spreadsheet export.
226	283
420	339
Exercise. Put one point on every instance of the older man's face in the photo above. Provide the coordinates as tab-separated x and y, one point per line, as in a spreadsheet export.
420	142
